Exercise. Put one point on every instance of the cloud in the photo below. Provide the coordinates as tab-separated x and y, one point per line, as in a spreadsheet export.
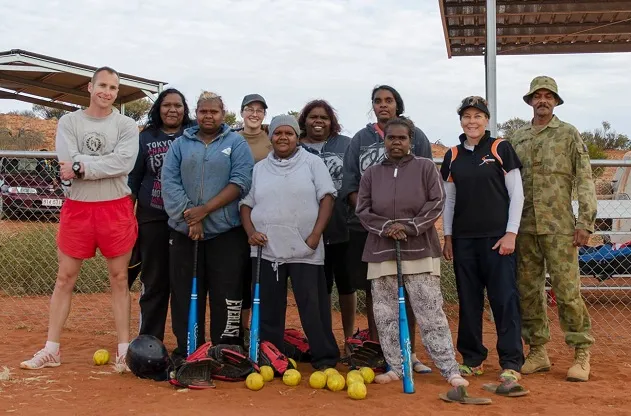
292	51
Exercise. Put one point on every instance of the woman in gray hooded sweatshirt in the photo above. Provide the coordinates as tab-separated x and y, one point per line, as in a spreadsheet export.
286	212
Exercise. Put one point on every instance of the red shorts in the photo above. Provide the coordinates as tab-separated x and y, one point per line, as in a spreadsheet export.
109	225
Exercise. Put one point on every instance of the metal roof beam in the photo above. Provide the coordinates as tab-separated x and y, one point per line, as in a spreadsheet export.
58	97
625	25
43	85
513	8
132	97
151	96
46	76
25	68
550	48
76	70
538	2
27	99
542	30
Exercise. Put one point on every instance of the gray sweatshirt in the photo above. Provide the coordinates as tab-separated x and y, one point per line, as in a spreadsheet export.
285	200
107	147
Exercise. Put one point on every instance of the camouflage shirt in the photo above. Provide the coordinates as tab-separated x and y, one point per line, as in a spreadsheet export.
554	159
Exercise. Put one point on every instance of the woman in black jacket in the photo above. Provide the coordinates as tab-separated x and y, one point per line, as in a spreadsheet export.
167	119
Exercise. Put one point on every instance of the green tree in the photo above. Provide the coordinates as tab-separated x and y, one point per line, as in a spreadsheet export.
294	113
508	128
231	119
138	109
606	138
596	152
48	113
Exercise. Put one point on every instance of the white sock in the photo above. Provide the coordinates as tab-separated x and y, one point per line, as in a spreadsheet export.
52	347
122	348
414	358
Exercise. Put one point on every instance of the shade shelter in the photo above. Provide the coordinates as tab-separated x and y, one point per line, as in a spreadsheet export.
533	27
57	83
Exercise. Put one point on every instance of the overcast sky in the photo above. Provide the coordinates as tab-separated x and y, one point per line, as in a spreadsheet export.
292	51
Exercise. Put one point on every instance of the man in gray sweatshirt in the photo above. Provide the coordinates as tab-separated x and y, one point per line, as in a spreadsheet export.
97	148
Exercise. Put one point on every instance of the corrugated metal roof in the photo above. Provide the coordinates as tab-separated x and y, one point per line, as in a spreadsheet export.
538	26
41	79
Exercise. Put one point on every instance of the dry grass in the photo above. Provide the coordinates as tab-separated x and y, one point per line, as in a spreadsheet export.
5	374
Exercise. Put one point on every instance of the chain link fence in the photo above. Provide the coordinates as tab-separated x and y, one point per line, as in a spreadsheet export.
29	212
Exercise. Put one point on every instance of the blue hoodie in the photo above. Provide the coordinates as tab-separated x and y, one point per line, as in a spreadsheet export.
193	173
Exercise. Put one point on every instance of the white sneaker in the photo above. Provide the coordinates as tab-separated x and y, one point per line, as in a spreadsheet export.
121	366
42	359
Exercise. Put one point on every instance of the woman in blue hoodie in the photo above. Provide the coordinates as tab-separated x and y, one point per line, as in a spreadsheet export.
367	149
206	171
286	213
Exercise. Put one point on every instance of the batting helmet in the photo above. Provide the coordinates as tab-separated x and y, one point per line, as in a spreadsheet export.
147	357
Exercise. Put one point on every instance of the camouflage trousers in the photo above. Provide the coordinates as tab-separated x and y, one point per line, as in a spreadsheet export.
555	252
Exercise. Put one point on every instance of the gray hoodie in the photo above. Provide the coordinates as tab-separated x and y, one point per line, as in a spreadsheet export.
367	149
285	200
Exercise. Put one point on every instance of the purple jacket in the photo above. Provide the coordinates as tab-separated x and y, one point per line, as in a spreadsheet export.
411	193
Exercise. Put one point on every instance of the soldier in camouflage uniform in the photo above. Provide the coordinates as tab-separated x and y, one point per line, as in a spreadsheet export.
554	159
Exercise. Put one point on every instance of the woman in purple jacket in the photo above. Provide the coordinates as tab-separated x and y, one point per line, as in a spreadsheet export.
400	199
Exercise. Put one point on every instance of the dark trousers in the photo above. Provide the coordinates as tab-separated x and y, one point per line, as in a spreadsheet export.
309	286
247	283
153	243
336	269
478	266
220	263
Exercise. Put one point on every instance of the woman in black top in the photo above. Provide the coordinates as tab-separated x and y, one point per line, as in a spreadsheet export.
482	215
168	117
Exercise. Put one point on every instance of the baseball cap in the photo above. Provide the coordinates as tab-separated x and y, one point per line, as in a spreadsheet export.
252	98
475	102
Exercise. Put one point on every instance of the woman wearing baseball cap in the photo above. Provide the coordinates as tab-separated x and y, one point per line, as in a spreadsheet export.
482	214
253	111
286	212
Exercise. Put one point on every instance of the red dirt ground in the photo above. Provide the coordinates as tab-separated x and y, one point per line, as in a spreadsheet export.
79	387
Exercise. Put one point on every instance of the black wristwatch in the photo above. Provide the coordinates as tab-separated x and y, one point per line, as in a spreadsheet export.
76	168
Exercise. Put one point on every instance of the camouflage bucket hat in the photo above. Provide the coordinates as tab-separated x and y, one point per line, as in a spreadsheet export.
543	82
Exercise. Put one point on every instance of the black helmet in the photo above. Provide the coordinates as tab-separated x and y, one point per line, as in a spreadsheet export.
147	357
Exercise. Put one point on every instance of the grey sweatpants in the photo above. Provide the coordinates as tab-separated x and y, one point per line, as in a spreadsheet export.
426	299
